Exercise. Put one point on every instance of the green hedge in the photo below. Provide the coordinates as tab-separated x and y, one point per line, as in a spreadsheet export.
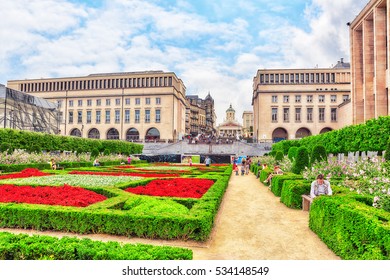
117	216
277	182
37	142
351	138
264	173
351	227
25	247
292	192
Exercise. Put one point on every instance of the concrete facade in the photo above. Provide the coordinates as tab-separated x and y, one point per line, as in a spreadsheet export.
247	124
370	57
134	106
201	115
295	103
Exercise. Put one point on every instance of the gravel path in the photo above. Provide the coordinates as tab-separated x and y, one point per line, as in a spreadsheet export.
252	224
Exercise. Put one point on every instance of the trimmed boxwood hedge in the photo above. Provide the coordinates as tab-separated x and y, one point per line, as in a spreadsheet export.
25	247
277	182
112	217
292	192
351	227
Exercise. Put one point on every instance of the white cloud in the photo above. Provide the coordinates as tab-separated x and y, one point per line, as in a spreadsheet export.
218	52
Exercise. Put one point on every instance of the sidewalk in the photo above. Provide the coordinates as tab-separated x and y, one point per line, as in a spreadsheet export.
252	224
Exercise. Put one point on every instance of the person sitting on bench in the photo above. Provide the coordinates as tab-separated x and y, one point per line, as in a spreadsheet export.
320	187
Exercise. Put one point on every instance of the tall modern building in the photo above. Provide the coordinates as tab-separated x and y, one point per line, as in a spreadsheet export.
370	43
133	106
295	103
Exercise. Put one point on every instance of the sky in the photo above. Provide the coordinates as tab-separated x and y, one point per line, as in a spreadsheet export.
214	46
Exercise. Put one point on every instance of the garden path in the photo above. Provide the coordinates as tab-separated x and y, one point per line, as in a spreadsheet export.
252	224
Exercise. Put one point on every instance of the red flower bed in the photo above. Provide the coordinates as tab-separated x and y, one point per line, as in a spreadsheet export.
64	196
28	172
178	187
124	174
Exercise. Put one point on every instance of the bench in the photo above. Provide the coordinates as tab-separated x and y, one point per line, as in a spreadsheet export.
306	201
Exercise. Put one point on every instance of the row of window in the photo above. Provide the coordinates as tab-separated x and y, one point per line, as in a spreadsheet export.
309	114
97	84
117	116
98	102
113	133
298	78
309	98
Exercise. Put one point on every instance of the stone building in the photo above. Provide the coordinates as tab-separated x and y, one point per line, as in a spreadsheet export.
132	106
370	57
230	128
247	124
201	115
294	103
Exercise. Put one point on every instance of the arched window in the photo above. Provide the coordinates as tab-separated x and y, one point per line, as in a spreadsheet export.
279	134
113	134
302	132
94	134
132	134
152	134
325	129
75	132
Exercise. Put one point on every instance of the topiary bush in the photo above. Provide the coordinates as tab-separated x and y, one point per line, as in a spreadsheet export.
318	154
94	153
292	153
301	161
279	156
387	153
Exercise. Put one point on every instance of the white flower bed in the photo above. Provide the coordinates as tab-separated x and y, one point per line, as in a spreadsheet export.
73	180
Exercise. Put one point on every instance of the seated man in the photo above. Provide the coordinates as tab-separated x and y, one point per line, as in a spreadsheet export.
320	187
96	162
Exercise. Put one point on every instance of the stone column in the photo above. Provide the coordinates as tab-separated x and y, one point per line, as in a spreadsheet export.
368	68
357	71
381	99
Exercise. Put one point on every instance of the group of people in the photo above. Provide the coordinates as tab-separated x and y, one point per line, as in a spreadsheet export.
244	166
320	186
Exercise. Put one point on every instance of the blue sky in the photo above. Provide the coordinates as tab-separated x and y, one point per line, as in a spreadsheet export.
213	46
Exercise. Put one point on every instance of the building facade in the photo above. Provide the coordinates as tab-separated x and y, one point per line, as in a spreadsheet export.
201	116
197	115
230	128
134	106
295	103
370	58
247	124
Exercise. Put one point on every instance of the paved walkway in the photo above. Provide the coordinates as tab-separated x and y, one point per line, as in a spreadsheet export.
252	224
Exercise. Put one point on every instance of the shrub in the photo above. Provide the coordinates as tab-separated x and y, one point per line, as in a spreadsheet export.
292	153
318	154
279	156
351	228
302	160
387	153
94	153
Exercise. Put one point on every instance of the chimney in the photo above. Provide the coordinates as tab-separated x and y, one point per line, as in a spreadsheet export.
342	60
